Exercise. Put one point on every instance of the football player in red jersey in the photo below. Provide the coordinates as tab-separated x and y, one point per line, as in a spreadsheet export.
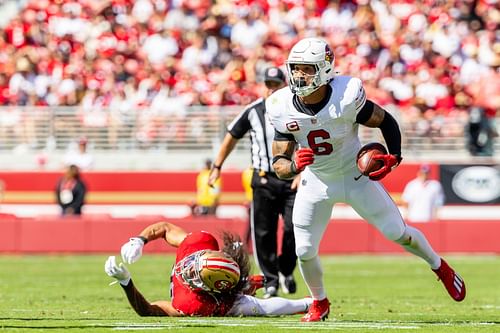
205	280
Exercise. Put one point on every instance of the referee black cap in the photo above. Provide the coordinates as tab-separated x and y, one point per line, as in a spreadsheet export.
274	74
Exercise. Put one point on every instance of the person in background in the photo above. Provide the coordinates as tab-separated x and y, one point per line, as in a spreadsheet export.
207	197
272	196
81	157
206	280
480	132
423	196
71	191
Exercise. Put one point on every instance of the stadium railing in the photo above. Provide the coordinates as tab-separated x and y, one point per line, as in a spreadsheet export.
180	131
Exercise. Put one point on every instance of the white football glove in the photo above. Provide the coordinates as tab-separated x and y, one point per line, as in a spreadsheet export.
119	272
132	250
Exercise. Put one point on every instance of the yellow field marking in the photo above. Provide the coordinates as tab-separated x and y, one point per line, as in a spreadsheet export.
129	197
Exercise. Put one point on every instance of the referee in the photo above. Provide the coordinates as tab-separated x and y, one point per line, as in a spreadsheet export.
272	196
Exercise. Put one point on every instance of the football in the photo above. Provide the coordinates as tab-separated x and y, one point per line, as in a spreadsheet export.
366	163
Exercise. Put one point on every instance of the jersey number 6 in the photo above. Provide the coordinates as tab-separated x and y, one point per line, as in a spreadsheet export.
319	148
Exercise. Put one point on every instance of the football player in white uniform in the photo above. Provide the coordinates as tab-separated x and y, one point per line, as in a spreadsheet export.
321	113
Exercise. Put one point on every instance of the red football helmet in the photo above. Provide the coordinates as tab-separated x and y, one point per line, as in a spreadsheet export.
212	271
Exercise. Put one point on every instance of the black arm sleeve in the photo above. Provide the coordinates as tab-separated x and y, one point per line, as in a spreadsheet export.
140	304
278	136
389	127
392	134
365	113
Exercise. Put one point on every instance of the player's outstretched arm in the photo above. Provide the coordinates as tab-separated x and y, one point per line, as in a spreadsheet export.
138	302
145	309
173	235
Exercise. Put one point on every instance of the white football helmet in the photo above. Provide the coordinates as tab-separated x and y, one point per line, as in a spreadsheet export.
212	271
310	51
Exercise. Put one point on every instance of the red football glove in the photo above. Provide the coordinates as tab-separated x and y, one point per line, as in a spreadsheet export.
254	283
390	163
303	157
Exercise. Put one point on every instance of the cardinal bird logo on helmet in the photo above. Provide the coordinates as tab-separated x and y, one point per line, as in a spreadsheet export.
328	54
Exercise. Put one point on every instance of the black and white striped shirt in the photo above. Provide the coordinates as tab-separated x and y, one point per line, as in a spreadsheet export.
253	119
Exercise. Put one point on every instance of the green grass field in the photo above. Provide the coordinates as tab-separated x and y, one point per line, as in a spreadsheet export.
368	294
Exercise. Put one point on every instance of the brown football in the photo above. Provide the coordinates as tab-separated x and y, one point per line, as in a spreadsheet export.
366	163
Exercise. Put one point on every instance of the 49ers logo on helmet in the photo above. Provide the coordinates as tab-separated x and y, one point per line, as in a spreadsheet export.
223	285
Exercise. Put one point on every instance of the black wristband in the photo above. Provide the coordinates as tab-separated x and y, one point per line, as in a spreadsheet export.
215	166
144	239
280	156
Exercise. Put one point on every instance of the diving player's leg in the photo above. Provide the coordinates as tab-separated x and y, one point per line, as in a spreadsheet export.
246	305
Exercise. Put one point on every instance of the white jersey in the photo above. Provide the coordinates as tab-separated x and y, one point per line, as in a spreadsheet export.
333	130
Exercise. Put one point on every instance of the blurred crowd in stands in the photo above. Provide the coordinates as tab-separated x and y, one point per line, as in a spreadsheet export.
431	60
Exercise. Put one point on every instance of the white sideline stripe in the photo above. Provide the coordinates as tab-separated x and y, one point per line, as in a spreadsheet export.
290	324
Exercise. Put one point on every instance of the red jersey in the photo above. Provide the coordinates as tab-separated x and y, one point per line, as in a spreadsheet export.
186	300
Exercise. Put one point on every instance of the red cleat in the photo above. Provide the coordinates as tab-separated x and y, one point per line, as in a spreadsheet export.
255	282
318	311
453	283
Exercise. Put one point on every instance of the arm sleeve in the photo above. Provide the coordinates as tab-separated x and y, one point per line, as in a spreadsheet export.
389	127
392	134
365	112
141	306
